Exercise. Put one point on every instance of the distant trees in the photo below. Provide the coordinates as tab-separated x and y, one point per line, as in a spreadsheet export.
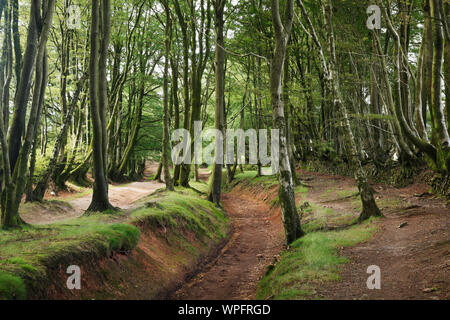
101	99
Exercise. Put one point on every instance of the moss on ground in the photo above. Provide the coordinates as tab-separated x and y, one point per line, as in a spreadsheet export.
183	210
316	217
314	259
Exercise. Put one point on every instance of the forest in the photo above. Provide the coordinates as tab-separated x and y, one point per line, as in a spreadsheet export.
302	146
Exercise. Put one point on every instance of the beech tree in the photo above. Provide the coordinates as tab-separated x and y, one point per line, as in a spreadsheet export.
216	181
286	194
100	35
16	152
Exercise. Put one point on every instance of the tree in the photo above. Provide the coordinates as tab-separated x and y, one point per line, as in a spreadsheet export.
331	75
200	51
165	140
286	194
216	181
16	153
100	34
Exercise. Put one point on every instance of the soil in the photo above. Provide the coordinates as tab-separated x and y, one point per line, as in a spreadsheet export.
414	259
412	249
256	241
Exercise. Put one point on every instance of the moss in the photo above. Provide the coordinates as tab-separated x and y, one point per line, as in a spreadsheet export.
122	237
184	209
311	261
11	287
251	178
301	189
316	217
27	254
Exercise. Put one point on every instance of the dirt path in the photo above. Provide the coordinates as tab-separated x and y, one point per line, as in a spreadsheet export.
121	196
414	260
257	238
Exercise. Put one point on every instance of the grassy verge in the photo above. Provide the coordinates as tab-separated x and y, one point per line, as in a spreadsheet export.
30	256
28	253
310	262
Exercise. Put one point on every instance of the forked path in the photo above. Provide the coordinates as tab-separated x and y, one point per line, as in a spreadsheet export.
256	240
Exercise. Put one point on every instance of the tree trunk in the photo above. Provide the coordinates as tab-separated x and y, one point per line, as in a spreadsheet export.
187	103
216	182
286	194
16	177
165	140
98	103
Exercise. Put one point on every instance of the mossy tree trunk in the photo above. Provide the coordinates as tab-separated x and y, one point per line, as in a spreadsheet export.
290	217
331	78
438	150
369	206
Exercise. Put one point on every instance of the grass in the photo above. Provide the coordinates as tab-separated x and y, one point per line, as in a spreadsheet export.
312	261
27	254
184	210
316	217
11	287
250	178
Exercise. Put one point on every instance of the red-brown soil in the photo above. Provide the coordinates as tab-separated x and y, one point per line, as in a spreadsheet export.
257	240
414	259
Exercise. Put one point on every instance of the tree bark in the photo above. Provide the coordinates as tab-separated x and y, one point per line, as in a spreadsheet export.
216	181
98	103
290	217
165	140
